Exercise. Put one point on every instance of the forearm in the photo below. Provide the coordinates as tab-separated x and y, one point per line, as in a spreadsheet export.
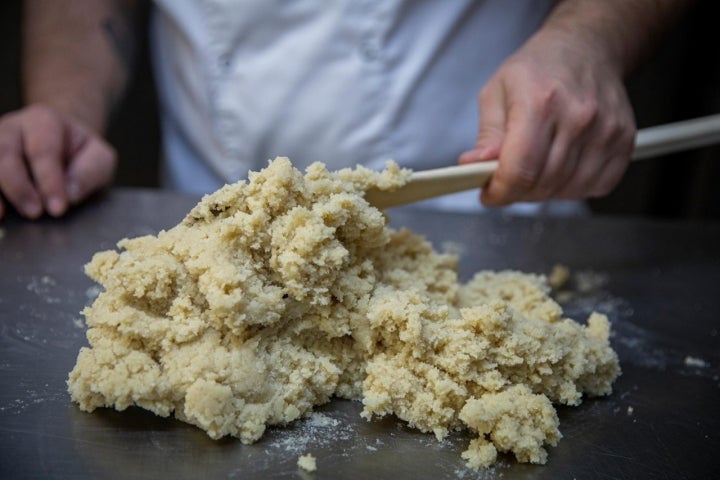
76	55
622	31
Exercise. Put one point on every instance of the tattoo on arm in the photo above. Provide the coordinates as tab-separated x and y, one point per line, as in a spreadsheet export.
121	31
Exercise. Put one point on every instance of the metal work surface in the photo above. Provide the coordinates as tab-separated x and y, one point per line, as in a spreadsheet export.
658	282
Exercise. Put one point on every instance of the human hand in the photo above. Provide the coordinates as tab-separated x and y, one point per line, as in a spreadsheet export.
50	161
557	117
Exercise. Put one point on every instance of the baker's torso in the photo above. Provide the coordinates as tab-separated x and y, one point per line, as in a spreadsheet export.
342	82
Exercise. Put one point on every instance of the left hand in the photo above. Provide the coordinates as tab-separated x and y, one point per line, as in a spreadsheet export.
50	161
557	117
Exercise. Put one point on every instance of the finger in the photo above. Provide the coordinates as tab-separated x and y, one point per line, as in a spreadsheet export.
15	182
604	161
567	171
557	169
616	164
578	123
491	104
523	156
91	168
567	151
43	139
609	177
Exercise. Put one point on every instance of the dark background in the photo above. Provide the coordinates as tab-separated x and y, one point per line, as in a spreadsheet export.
681	81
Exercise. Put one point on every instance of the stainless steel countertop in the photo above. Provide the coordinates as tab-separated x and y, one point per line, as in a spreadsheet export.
658	282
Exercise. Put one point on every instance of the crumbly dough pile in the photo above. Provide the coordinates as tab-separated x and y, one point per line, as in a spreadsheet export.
275	295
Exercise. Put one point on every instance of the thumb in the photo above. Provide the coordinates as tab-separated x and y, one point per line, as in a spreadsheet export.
90	169
491	104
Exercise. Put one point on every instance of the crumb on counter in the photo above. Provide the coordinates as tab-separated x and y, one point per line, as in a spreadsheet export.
559	276
277	294
695	362
307	462
588	281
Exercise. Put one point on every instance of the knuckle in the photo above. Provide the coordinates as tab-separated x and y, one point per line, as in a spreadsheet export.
43	141
544	99
585	113
618	127
611	129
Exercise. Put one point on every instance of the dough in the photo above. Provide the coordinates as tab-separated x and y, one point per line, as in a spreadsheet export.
307	463
273	296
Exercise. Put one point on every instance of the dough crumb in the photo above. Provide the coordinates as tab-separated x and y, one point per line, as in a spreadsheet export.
588	281
307	462
277	294
695	362
559	276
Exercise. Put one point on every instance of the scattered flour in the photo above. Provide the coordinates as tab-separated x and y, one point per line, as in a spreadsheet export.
320	420
275	295
695	362
30	399
44	287
318	430
92	292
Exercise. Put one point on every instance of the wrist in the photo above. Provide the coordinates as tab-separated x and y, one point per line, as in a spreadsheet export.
617	32
591	30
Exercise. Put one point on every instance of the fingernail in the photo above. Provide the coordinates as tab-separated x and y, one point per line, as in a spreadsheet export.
56	206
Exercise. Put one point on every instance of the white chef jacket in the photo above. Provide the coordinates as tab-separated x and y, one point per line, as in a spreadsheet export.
344	82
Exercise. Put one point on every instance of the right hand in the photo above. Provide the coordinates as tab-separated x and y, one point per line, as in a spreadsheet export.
557	117
50	161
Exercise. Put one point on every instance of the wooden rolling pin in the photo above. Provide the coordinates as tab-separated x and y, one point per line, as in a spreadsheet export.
650	142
